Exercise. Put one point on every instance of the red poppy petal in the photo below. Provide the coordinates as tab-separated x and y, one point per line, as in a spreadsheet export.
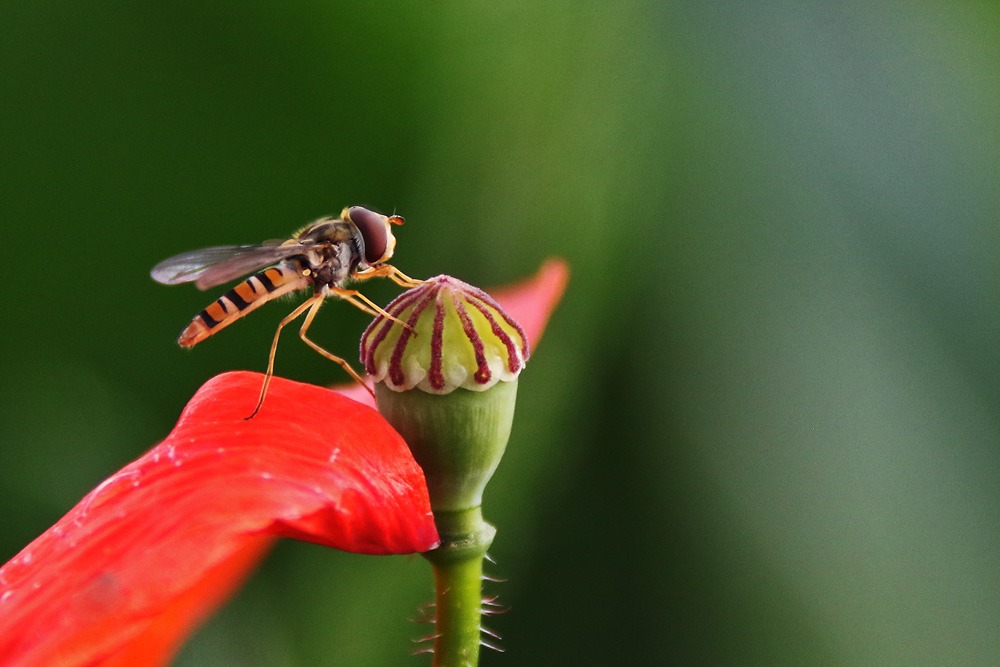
158	544
165	632
531	301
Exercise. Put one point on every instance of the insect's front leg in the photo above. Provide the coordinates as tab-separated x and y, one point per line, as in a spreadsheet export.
363	303
390	272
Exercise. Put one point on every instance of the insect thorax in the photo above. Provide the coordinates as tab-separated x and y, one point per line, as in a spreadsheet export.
330	265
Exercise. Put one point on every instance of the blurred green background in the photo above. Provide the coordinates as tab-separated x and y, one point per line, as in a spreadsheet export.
762	428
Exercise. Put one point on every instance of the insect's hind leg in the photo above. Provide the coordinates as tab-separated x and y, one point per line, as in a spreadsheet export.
329	355
311	303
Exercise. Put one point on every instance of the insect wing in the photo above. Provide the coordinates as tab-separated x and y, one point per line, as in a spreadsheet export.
209	267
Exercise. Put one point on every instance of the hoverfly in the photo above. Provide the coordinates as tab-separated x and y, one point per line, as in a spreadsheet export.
324	255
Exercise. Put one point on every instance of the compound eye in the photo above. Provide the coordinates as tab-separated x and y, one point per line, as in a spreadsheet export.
374	227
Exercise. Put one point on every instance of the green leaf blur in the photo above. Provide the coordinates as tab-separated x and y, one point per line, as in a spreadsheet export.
762	427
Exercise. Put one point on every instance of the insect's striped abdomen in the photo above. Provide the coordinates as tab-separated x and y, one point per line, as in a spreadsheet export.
252	293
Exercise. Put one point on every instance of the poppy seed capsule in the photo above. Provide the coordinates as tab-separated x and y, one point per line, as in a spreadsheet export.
447	382
458	336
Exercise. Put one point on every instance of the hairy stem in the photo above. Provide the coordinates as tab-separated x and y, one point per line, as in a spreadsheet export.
458	570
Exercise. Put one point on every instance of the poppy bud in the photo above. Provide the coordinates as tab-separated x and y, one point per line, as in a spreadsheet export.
447	381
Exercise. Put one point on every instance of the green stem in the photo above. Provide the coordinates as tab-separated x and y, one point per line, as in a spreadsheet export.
458	575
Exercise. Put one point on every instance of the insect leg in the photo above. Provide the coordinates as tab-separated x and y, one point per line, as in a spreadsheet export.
329	355
311	302
361	302
402	279
390	272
